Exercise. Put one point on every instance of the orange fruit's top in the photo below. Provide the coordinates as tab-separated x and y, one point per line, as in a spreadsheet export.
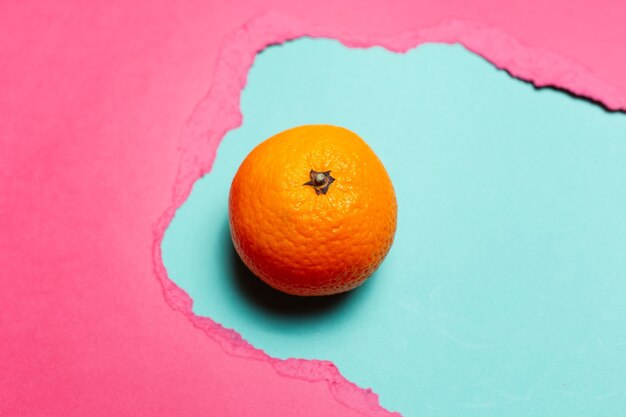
306	231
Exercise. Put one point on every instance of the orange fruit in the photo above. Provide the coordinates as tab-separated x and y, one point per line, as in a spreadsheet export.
312	211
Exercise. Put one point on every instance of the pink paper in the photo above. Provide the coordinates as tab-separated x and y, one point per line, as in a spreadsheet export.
102	136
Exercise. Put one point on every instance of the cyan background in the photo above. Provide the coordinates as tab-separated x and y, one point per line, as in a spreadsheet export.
504	293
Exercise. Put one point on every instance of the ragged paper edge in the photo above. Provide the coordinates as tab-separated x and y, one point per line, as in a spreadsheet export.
218	112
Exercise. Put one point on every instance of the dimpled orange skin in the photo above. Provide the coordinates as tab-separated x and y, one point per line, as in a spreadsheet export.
303	243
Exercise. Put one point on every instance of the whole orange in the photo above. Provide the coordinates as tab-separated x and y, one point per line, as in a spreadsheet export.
312	211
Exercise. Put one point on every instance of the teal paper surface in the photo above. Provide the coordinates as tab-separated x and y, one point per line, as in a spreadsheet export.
505	291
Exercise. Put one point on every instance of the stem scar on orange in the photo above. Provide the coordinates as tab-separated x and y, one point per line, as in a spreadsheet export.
312	211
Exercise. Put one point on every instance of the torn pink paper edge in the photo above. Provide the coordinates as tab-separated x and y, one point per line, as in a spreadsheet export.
218	112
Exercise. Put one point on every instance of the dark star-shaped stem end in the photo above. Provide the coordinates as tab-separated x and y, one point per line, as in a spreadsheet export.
320	181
